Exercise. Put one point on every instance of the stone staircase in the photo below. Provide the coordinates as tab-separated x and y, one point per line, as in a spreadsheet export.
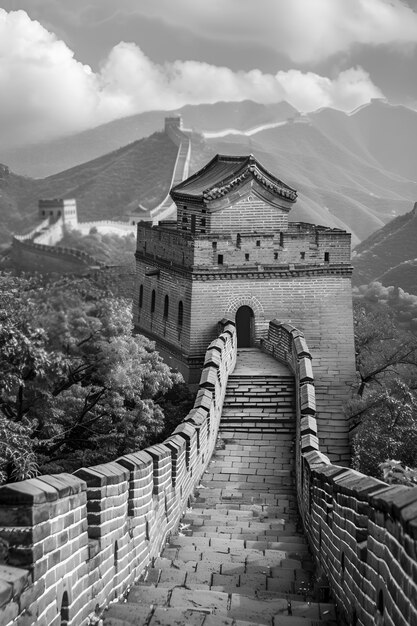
265	403
240	557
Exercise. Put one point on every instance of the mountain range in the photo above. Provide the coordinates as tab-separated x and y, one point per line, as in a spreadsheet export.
389	256
352	171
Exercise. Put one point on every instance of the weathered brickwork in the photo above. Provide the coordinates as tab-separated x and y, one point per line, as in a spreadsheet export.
75	541
251	214
363	532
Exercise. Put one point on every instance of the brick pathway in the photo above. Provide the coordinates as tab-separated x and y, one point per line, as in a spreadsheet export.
239	558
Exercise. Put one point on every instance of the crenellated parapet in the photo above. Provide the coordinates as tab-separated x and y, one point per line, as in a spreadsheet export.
362	531
71	542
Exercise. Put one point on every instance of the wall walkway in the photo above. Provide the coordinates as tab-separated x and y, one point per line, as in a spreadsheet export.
240	557
69	542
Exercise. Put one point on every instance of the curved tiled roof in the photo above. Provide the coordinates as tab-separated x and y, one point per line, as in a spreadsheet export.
223	173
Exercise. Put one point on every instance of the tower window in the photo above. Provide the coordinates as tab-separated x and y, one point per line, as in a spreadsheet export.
214	245
238	240
302	255
258	243
193	223
153	298
180	313
275	256
247	256
326	257
141	296
203	221
166	307
220	259
184	218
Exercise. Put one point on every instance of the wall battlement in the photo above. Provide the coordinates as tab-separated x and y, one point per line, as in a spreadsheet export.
362	531
70	542
301	243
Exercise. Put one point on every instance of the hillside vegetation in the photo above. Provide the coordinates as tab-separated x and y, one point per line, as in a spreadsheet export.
109	248
106	188
389	255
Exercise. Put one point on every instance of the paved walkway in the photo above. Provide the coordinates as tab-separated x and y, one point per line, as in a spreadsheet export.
239	558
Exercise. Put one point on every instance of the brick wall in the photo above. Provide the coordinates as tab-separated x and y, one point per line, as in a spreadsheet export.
302	244
251	214
69	542
362	532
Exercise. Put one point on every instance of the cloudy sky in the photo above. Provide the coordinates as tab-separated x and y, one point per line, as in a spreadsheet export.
68	65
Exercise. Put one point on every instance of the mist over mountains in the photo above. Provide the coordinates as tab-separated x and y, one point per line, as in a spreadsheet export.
352	171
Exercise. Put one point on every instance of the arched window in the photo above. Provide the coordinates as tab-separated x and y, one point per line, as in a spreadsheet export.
141	296
166	307
180	313
153	301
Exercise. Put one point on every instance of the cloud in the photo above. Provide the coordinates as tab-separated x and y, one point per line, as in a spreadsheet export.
307	31
47	93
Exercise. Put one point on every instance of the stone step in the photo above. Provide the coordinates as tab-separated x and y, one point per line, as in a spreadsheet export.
148	605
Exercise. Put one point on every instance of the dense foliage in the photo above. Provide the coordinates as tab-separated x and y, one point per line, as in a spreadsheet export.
107	248
76	388
383	409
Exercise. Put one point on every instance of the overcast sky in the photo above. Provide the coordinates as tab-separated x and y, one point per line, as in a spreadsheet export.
68	65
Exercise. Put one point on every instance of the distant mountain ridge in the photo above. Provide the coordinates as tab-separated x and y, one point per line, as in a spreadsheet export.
389	255
45	159
339	181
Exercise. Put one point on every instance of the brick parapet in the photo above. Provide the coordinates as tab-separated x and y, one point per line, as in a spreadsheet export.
75	541
362	531
302	244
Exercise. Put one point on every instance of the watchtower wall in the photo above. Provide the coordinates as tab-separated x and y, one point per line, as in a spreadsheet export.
301	276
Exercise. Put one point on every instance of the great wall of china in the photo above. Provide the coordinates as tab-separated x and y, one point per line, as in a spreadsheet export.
75	542
239	518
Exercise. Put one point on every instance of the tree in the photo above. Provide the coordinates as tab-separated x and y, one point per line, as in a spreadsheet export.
383	408
77	388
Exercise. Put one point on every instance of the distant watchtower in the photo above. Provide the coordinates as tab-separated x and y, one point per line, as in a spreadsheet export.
58	207
233	253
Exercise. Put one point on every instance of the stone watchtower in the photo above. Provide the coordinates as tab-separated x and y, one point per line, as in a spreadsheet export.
232	252
57	208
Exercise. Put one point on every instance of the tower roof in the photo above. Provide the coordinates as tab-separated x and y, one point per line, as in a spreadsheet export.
223	174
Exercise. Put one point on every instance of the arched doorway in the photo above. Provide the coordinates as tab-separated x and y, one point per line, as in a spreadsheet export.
244	327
